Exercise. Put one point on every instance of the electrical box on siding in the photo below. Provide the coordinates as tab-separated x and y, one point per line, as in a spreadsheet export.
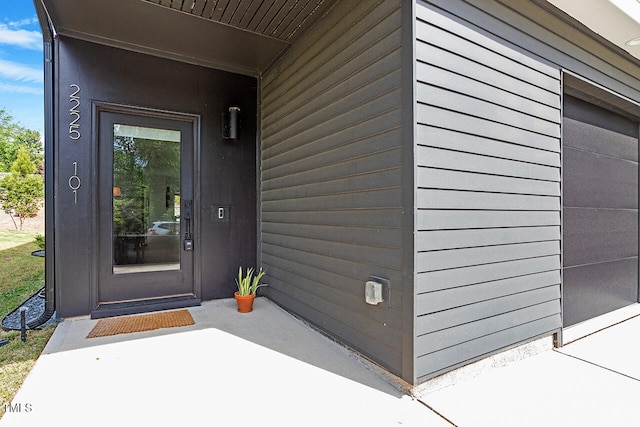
373	292
377	290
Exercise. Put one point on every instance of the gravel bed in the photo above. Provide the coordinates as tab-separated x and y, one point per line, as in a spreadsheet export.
35	307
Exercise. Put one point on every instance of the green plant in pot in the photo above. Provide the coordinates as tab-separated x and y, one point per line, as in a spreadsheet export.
248	283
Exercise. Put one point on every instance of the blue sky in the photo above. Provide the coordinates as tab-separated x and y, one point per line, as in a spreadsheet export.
21	64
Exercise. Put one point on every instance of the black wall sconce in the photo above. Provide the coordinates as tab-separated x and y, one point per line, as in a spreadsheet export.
231	123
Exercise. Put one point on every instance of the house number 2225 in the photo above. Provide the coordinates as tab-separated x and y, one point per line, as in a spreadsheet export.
74	125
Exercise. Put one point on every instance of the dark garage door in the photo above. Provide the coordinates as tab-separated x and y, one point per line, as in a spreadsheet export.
600	211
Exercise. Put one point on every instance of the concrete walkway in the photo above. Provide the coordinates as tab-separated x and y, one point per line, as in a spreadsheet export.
229	369
295	376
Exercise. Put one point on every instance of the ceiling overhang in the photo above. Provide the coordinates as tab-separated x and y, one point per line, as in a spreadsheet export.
246	36
243	36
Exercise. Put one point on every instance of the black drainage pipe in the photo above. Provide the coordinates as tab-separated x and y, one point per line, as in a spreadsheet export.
48	39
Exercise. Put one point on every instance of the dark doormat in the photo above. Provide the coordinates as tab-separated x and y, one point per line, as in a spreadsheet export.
140	323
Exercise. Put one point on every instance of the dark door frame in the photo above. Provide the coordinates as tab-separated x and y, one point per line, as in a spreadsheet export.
99	309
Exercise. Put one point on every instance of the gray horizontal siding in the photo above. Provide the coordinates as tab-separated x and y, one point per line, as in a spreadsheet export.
453	336
448	219
443	239
527	27
454	258
470	105
470	124
487	344
455	139
468	181
487	193
451	278
456	298
450	159
565	47
475	70
332	176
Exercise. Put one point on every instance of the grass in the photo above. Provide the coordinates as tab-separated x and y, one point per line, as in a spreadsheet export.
21	275
10	238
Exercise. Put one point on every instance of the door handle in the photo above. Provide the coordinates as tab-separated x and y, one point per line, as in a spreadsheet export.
188	241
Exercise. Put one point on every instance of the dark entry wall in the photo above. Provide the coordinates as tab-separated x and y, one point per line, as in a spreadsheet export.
87	73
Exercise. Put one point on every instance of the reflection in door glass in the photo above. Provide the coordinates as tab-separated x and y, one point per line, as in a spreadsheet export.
146	199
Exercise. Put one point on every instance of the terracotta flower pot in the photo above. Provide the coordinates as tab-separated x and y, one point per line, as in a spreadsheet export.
245	302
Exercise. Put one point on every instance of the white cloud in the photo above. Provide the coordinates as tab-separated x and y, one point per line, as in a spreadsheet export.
10	88
20	38
19	72
23	22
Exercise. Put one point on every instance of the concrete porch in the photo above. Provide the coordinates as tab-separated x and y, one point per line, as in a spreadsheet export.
292	376
297	376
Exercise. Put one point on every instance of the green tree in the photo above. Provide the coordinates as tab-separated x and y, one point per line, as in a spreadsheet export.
21	193
30	140
12	137
23	165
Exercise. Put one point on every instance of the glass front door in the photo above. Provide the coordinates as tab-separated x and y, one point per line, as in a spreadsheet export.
146	210
146	199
